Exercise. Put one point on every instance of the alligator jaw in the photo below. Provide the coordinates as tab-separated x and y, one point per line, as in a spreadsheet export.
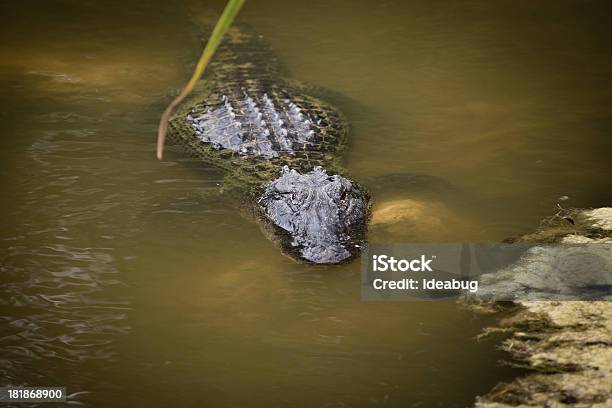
316	217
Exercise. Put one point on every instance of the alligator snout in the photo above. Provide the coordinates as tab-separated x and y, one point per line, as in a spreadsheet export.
317	218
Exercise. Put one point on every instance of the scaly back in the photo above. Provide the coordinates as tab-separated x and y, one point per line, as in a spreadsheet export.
247	118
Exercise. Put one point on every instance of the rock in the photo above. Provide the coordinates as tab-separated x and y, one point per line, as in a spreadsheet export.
600	218
568	272
412	219
408	211
566	344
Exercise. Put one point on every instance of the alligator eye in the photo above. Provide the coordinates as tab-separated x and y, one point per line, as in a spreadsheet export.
343	195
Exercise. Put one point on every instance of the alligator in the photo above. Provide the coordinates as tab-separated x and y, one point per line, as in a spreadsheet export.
280	148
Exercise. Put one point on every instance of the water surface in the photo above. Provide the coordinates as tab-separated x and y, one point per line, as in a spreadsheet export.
126	280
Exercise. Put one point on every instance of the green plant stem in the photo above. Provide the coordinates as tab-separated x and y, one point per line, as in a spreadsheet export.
229	13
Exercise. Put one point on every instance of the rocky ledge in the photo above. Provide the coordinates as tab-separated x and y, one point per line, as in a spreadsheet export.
566	345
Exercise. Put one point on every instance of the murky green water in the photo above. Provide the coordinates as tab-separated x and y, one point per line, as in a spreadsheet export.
121	283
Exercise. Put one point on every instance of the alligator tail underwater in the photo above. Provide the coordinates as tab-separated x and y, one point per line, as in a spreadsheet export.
280	148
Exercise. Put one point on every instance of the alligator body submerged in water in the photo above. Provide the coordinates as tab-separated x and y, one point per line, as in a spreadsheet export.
280	148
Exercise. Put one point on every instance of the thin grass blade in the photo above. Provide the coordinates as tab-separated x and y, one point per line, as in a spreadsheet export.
229	13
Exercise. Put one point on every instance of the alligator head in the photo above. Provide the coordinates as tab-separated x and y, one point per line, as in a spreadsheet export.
316	217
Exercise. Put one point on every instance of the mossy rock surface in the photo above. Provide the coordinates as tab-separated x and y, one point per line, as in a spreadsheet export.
567	345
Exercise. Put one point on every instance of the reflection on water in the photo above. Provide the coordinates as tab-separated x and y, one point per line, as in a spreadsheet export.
57	294
132	283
